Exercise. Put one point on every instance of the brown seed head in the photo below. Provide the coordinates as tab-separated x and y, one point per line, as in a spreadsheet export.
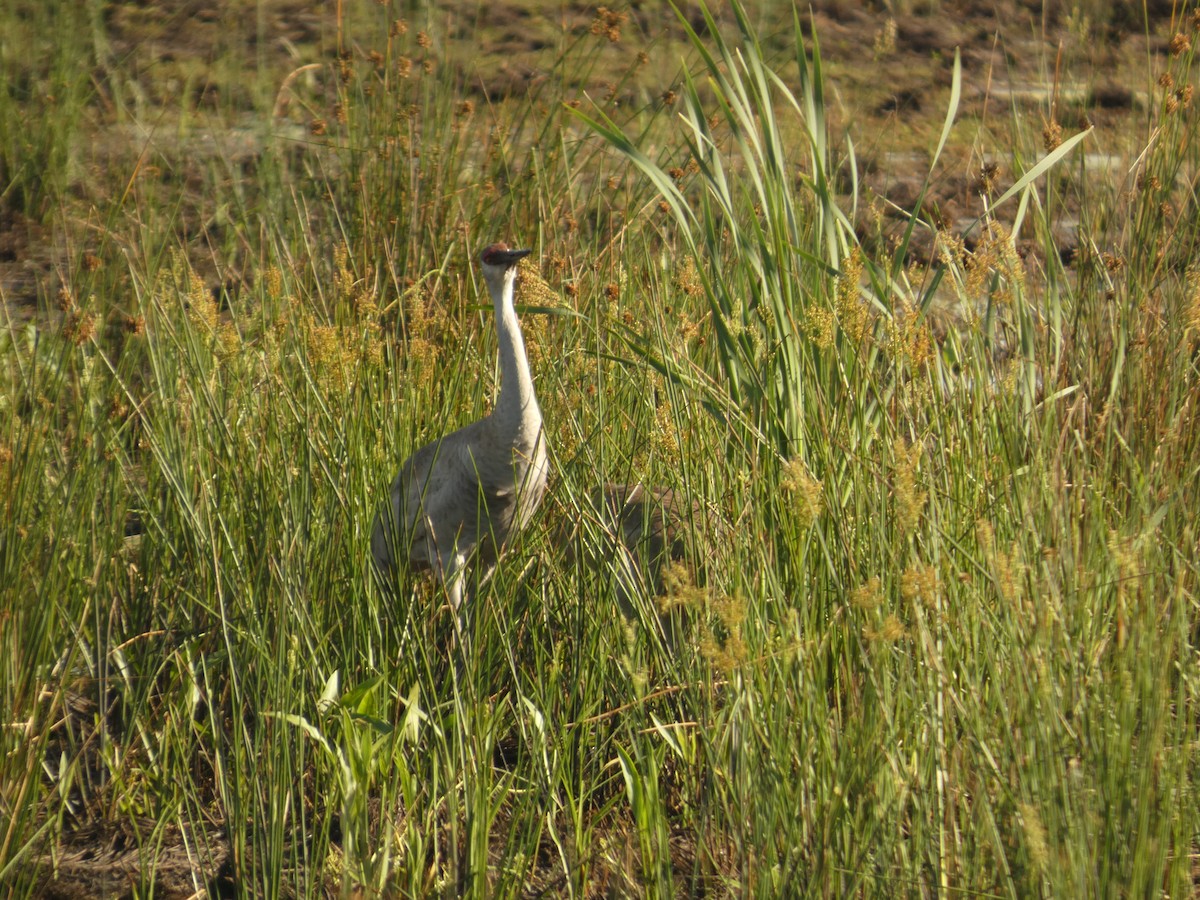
1051	135
608	23
79	327
869	594
988	175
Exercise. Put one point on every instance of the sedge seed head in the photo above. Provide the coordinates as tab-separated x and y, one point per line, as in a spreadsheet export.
1192	302
909	497
807	492
273	281
79	327
852	315
1006	567
1051	135
608	23
869	594
920	583
663	437
679	588
725	647
890	630
885	39
1036	842
688	280
819	325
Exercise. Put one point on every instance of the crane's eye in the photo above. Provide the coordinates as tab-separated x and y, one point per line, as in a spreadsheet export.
493	254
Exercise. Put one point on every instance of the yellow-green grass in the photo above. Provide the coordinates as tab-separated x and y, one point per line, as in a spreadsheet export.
945	638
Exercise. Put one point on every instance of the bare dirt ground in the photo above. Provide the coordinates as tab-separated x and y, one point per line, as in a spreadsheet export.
888	79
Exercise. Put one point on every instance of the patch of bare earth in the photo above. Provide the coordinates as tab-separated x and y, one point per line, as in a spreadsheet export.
109	859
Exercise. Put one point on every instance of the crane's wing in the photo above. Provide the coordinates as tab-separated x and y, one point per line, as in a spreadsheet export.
432	497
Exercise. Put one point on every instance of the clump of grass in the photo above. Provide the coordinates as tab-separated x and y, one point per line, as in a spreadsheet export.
44	62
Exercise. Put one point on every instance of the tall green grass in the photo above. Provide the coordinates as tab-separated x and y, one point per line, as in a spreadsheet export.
44	54
945	638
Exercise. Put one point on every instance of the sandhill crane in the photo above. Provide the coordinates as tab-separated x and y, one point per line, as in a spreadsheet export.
642	529
458	500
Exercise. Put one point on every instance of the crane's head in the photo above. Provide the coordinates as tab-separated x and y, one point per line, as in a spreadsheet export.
498	256
500	268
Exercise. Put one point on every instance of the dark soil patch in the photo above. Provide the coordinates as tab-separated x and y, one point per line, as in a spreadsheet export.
108	859
26	262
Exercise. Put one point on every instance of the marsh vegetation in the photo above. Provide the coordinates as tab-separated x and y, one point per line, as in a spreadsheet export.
900	301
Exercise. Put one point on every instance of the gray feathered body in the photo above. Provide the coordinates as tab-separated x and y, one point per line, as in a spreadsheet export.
636	531
651	523
455	493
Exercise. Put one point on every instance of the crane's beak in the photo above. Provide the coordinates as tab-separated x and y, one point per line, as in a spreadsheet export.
510	257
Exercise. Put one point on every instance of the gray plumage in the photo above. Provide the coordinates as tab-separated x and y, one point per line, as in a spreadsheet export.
458	500
639	530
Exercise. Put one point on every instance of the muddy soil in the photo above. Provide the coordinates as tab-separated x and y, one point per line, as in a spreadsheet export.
888	77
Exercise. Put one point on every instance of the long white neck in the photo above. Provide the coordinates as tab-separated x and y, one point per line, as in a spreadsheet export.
516	413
